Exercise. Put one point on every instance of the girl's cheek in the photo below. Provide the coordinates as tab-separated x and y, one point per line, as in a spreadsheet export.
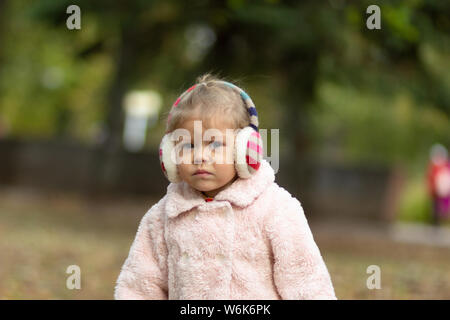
225	156
228	156
183	170
184	156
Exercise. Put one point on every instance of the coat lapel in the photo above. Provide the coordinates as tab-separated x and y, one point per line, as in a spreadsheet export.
181	197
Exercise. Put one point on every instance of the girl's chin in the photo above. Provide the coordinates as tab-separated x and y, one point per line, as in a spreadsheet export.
203	186
206	187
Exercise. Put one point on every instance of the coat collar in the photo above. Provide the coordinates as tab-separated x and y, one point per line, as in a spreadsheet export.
181	197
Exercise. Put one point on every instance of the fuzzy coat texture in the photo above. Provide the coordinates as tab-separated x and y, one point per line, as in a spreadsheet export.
252	242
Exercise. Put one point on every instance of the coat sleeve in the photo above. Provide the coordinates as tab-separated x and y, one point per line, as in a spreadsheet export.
299	271
144	273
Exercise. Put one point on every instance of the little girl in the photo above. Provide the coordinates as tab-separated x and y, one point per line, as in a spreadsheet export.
224	230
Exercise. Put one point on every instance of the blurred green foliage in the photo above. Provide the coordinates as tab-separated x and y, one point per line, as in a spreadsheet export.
415	203
313	69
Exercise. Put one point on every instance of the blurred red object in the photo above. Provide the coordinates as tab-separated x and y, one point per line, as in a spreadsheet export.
439	179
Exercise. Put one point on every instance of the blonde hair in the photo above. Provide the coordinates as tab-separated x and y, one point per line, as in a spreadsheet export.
209	100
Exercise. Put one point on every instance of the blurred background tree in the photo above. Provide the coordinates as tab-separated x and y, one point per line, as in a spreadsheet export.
353	105
337	90
374	95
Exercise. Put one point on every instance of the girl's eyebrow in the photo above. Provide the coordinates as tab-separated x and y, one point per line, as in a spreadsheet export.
214	139
183	139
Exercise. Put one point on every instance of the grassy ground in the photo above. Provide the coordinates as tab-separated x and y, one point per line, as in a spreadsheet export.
408	271
41	235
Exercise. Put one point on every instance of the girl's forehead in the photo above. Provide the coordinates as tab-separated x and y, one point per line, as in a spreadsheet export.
191	129
216	123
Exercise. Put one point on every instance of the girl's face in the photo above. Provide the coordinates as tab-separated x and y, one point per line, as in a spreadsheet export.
211	152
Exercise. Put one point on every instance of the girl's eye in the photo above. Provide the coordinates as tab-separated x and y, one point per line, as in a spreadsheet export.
187	146
216	144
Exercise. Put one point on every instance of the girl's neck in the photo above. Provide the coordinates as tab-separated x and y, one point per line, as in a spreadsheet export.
213	193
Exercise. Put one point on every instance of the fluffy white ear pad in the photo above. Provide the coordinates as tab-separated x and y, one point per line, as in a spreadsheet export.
248	152
168	166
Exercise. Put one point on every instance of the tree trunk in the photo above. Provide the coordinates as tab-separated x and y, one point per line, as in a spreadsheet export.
107	157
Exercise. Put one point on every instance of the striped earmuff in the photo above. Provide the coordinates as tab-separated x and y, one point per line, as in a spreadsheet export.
248	143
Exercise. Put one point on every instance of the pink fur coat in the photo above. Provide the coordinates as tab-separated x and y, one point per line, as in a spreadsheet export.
252	242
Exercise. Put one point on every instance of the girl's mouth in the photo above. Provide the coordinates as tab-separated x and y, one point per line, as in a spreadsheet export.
201	173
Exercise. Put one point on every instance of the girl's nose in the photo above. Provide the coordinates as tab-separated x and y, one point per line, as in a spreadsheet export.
202	154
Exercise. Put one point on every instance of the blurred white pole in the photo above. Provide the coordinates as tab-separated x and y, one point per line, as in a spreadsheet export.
139	107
